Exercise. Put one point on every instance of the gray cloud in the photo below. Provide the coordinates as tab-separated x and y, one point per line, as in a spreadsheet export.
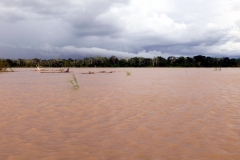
120	27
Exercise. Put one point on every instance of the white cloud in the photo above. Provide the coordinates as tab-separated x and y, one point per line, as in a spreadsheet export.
122	27
226	48
94	51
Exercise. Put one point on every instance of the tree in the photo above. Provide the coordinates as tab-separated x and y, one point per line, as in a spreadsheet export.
171	60
234	62
226	62
156	61
200	60
190	62
10	62
140	61
132	62
20	62
123	63
113	60
3	65
86	61
162	61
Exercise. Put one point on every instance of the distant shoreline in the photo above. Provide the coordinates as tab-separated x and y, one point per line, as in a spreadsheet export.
170	62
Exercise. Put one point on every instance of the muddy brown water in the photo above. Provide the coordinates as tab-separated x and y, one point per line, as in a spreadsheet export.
153	114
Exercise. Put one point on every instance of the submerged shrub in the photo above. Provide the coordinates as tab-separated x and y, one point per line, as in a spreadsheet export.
128	73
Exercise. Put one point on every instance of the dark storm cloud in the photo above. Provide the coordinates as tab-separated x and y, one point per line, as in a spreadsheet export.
89	20
16	52
94	28
38	6
61	28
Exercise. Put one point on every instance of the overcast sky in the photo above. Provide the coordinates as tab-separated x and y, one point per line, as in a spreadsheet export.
124	28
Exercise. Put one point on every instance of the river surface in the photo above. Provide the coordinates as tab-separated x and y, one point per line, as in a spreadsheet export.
153	114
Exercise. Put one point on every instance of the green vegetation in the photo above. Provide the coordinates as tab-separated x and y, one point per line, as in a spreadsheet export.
128	73
196	61
74	81
3	65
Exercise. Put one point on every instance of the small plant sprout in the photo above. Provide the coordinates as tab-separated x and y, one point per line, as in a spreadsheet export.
128	73
74	81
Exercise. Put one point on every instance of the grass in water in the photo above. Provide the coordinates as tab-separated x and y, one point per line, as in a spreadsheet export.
74	81
128	73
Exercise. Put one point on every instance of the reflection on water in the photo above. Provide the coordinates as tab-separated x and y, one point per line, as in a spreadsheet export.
156	113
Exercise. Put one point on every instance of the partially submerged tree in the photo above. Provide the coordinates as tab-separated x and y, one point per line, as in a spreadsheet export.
3	65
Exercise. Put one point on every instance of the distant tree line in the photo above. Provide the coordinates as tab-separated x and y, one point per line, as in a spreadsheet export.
196	61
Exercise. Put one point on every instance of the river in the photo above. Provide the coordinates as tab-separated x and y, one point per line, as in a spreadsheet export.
153	114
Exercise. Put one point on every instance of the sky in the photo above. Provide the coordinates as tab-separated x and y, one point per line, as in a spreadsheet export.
124	28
